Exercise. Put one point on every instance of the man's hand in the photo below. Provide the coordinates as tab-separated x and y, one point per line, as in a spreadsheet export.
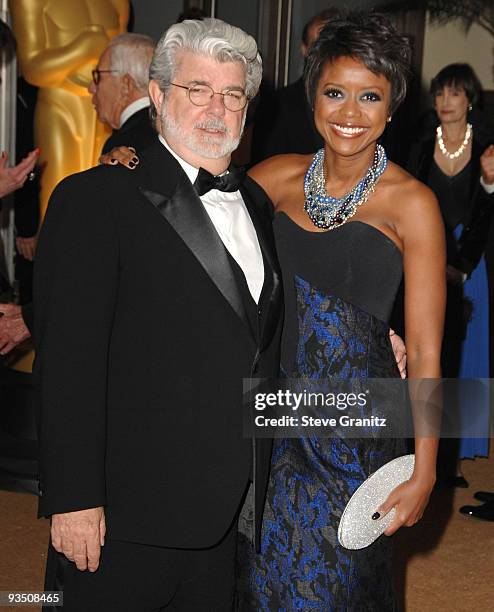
487	165
14	178
26	246
79	536
13	330
400	352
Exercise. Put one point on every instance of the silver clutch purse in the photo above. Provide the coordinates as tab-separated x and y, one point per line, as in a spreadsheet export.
357	528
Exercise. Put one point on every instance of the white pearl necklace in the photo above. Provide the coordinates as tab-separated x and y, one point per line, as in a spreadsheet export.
460	149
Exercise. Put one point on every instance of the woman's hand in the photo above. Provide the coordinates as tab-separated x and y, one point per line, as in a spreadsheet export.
410	499
487	165
14	178
120	155
26	246
400	352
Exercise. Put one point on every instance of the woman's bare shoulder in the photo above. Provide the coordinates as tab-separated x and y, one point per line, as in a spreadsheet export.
405	189
277	173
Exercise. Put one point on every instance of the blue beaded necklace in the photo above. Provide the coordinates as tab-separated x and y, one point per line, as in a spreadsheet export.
327	212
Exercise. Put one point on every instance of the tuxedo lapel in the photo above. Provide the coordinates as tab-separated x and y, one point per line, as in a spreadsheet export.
272	279
172	194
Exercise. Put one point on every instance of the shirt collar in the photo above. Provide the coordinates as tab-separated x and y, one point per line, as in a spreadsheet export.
213	196
133	108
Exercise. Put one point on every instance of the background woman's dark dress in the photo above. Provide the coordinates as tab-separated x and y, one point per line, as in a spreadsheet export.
340	287
466	209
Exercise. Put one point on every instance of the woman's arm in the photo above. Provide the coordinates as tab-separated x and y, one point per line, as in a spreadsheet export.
262	174
421	229
280	176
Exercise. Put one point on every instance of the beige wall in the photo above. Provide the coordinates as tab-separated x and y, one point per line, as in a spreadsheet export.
446	44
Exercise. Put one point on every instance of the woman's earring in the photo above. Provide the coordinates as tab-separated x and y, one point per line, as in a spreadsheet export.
470	107
388	120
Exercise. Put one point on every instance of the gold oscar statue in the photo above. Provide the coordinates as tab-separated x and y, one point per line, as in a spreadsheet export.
58	44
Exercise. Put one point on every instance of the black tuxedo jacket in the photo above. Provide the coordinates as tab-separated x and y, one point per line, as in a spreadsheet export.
136	132
142	343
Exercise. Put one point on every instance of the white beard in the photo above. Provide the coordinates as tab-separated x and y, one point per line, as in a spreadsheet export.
201	143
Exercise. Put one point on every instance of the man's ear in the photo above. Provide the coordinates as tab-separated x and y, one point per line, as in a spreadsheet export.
156	95
127	86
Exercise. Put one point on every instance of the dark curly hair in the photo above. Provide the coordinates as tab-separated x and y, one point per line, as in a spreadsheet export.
369	38
460	76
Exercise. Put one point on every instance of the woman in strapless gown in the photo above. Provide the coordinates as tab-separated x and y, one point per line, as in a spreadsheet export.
335	325
341	273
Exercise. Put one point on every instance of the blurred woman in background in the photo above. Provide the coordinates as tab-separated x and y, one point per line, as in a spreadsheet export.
452	157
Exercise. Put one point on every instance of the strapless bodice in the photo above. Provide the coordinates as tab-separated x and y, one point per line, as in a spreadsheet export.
356	263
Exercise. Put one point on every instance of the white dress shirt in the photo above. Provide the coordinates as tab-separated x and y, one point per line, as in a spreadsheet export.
229	215
133	108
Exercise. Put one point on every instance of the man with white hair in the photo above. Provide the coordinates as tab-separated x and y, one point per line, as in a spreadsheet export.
120	97
156	292
120	90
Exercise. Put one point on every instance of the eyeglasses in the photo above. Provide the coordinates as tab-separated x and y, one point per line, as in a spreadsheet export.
201	95
96	74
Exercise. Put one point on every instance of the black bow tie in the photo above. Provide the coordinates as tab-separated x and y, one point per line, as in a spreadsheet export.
230	181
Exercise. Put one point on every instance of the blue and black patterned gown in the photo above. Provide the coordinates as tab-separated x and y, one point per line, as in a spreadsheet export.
340	287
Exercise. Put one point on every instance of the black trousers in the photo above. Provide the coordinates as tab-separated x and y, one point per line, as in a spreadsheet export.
140	578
